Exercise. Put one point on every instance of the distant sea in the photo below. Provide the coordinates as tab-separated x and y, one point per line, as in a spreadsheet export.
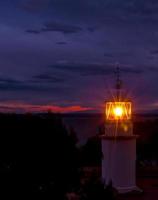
87	125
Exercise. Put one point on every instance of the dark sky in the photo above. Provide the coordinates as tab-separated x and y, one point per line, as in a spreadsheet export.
61	54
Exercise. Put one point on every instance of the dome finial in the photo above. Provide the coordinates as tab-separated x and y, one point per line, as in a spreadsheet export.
118	80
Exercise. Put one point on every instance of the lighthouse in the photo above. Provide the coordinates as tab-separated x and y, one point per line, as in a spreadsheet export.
119	143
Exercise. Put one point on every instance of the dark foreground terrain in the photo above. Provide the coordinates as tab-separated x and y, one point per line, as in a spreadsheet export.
40	158
37	156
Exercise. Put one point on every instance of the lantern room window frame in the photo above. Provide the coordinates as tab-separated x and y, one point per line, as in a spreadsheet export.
125	114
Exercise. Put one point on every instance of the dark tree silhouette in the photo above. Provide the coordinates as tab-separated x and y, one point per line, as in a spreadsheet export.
95	189
91	153
147	143
38	158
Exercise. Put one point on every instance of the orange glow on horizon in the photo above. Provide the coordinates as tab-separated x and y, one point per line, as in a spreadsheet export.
24	107
118	110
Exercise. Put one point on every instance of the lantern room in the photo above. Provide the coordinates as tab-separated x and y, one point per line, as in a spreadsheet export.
118	111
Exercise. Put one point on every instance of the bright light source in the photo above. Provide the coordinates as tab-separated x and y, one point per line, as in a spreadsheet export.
118	111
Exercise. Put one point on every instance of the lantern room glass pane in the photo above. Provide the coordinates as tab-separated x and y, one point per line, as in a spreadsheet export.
118	110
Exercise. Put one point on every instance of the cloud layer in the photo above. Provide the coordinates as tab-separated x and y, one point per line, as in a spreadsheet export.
64	51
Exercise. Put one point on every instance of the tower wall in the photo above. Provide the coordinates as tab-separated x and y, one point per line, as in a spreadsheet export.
119	155
115	129
118	165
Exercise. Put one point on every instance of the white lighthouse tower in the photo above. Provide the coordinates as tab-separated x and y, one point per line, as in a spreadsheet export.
119	143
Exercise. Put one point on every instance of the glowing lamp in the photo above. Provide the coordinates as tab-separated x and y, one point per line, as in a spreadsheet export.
118	110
